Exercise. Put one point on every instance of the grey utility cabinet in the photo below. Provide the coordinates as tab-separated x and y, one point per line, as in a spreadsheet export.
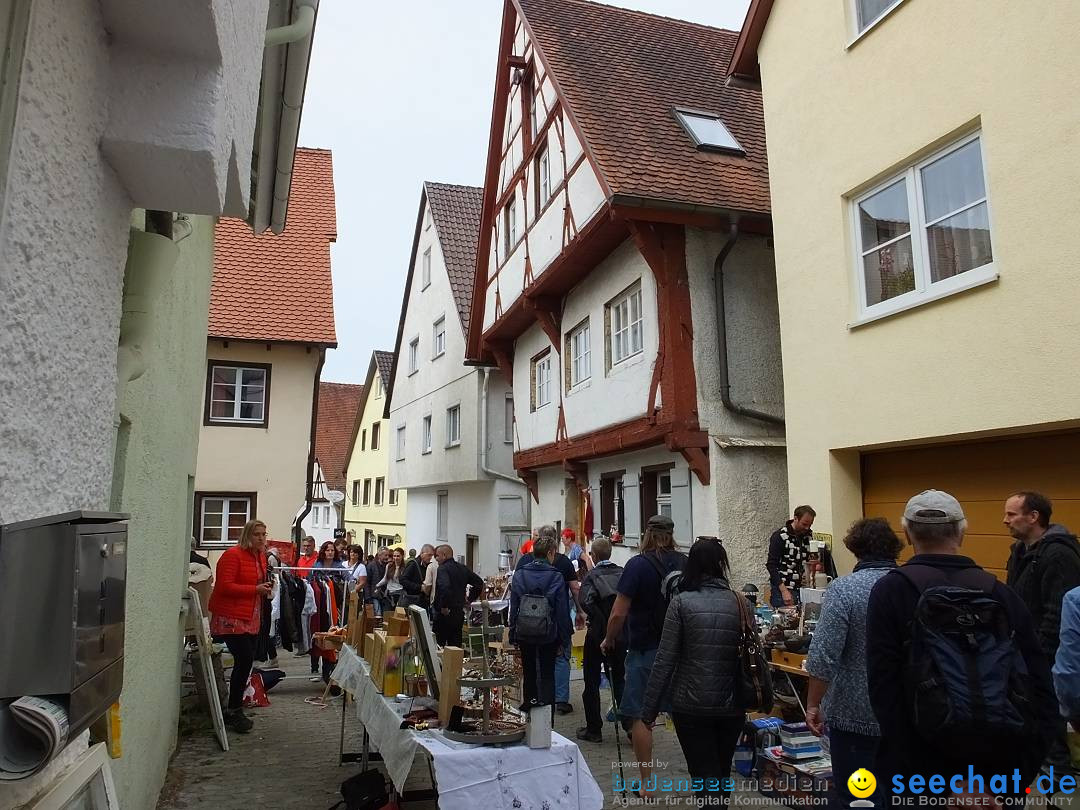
62	593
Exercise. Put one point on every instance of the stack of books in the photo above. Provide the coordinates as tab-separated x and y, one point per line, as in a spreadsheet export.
798	742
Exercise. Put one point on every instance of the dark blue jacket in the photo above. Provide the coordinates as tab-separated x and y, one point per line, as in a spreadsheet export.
539	577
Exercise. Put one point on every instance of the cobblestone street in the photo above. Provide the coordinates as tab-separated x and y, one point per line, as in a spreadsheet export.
289	760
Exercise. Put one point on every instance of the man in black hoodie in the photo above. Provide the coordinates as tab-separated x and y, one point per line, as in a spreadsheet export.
1043	566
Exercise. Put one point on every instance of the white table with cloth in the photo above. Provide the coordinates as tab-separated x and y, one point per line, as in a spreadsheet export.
514	777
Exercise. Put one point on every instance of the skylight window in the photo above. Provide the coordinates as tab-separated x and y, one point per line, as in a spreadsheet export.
708	131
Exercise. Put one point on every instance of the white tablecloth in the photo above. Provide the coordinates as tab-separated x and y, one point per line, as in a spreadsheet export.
510	777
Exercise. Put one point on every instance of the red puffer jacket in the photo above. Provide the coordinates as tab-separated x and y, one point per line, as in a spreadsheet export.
238	572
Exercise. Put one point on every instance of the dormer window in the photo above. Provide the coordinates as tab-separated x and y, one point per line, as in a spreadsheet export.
708	132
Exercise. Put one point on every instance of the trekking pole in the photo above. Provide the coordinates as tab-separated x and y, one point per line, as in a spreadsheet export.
616	723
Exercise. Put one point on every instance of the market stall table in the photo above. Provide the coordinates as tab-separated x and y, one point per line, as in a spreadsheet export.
790	664
468	776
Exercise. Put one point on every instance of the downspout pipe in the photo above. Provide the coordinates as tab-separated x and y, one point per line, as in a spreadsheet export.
309	475
484	451
722	335
298	37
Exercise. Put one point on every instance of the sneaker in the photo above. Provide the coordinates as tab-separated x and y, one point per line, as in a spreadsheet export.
583	733
238	721
564	708
315	678
300	654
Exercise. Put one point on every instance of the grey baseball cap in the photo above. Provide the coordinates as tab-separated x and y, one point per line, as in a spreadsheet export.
661	523
933	506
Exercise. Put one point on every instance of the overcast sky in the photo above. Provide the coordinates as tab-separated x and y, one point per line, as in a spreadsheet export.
401	92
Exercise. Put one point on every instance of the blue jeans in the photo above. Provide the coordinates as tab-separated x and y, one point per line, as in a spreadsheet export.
562	676
849	752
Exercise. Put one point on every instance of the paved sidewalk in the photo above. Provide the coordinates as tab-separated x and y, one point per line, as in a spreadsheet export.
289	760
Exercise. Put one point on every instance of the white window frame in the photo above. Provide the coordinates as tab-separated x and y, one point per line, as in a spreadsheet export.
438	338
380	490
508	419
238	396
925	291
542	374
453	426
392	496
510	225
425	269
614	308
425	435
226	510
414	355
401	443
367	492
543	177
578	342
858	33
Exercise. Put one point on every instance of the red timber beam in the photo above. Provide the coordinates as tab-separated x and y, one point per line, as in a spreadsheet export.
633	435
579	471
503	355
663	246
547	311
531	483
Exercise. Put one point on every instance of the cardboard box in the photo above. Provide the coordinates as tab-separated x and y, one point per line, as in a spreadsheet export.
369	647
397	625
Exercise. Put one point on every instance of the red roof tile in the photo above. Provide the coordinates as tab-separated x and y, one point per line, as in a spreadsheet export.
279	288
622	73
456	211
338	404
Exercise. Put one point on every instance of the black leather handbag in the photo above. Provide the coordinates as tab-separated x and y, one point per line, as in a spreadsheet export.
754	688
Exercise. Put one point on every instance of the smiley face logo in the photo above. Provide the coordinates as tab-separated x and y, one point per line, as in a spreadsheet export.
861	783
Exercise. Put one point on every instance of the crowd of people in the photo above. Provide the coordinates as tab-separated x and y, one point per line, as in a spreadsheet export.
933	666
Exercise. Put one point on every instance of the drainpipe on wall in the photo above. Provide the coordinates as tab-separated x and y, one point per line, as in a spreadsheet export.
309	475
484	450
722	336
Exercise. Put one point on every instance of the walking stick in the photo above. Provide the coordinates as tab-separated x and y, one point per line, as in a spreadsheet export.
616	723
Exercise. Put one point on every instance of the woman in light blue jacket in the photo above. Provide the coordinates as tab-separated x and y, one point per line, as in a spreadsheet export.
838	692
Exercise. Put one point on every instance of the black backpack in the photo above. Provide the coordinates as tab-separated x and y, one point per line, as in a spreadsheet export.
535	624
670	577
965	679
363	791
604	581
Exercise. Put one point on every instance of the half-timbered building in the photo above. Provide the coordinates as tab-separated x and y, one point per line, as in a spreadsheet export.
625	281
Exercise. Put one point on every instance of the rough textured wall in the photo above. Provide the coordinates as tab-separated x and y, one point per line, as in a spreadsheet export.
62	253
163	408
749	483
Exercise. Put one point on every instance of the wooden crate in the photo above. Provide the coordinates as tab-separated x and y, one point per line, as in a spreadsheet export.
786	658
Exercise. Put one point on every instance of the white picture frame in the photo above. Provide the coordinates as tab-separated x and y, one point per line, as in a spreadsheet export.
428	648
89	780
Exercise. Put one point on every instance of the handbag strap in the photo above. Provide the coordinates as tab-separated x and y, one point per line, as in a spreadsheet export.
749	631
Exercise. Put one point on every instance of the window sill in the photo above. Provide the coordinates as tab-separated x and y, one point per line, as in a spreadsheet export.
579	386
235	423
453	444
437	356
539	408
881	18
413	371
426	452
627	362
978	280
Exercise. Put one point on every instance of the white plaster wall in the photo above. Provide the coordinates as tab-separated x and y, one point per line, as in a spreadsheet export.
62	253
534	427
473	509
611	395
437	384
749	498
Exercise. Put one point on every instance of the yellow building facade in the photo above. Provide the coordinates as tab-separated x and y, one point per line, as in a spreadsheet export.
373	511
923	177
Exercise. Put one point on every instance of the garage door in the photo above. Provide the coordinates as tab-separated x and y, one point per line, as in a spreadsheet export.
981	475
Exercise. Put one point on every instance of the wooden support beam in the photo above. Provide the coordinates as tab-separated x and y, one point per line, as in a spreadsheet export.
531	483
504	359
698	461
579	471
547	312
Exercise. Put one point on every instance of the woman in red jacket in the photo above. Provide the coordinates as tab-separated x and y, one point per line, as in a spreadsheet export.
235	607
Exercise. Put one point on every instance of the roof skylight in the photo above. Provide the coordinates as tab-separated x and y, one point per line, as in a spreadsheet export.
708	131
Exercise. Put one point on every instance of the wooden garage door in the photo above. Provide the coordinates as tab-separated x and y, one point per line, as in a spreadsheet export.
981	475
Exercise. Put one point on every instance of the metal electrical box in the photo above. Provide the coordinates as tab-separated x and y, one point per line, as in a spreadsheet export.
62	593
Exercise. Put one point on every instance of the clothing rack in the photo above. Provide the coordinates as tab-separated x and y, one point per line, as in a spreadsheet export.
310	569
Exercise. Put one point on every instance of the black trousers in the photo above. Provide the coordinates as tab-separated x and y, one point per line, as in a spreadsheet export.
447	629
538	673
242	647
592	667
708	743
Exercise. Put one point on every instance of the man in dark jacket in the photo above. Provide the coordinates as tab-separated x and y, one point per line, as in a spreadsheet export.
1044	564
598	592
541	578
934	524
412	578
455	587
789	549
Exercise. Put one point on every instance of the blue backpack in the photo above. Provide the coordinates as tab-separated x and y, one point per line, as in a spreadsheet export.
965	679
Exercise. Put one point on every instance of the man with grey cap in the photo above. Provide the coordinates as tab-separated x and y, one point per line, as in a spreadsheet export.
936	580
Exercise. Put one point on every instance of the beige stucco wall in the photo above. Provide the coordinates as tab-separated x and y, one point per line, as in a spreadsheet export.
367	463
1000	358
270	461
